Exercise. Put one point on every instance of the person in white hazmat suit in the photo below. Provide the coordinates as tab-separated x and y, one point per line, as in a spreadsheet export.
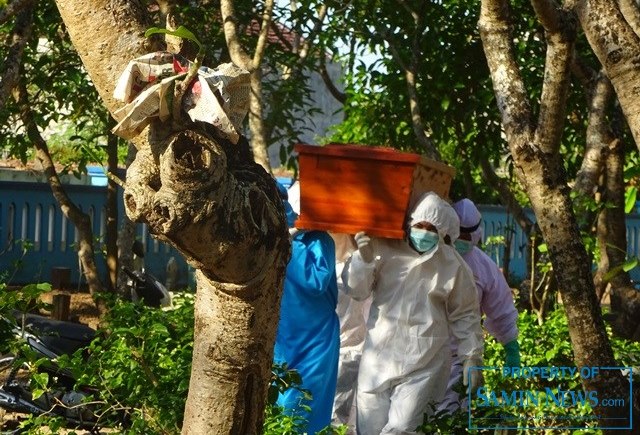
494	296
353	317
422	291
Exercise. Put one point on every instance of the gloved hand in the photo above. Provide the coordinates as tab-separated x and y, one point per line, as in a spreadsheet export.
472	378
512	354
364	246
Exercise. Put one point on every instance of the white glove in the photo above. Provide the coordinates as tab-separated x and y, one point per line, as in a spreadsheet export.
364	246
472	378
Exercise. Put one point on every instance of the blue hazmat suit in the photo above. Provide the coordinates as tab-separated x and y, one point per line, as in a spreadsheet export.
308	333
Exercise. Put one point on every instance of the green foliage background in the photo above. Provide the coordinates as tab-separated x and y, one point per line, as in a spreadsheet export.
141	359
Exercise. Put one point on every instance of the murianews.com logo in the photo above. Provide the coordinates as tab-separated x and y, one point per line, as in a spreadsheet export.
547	398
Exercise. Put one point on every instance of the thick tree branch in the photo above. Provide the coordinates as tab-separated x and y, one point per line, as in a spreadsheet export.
258	55
19	39
415	15
631	13
410	70
13	8
615	44
554	91
548	13
599	137
505	193
333	90
511	94
230	26
89	18
560	31
317	28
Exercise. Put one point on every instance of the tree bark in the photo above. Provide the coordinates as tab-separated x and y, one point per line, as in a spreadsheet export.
126	237
617	47
603	164
625	300
111	231
20	35
222	211
534	147
252	64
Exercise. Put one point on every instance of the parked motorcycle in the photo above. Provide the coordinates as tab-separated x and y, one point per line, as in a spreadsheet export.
48	338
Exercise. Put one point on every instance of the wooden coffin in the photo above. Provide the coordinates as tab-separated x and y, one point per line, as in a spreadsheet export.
350	188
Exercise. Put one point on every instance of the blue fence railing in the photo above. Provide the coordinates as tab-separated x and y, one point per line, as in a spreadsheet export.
28	212
497	221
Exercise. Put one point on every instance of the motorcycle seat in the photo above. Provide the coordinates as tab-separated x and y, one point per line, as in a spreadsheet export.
61	337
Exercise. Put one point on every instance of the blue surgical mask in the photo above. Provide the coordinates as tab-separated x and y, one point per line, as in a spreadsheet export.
423	240
463	246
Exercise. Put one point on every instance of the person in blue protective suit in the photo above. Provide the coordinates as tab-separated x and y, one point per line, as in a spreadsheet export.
421	293
494	296
308	333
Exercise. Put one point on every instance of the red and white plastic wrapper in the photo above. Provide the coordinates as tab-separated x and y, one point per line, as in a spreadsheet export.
218	96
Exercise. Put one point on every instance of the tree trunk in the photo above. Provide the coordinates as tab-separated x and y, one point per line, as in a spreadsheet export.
20	35
111	232
256	123
534	147
604	163
126	236
254	66
617	46
625	300
222	212
228	230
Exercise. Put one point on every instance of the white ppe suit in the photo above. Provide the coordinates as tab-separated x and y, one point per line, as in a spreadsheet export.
353	317
494	296
418	300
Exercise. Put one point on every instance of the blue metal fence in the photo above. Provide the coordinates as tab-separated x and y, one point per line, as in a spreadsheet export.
497	221
28	212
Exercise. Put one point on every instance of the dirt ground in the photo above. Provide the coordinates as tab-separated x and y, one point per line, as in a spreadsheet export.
81	310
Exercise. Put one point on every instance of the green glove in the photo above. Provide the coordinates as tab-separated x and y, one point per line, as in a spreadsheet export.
512	351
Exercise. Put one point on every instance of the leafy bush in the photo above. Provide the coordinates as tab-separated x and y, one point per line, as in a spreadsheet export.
540	345
143	367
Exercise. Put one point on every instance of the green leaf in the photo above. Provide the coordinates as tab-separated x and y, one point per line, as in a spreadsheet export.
543	248
630	264
181	32
630	199
40	379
